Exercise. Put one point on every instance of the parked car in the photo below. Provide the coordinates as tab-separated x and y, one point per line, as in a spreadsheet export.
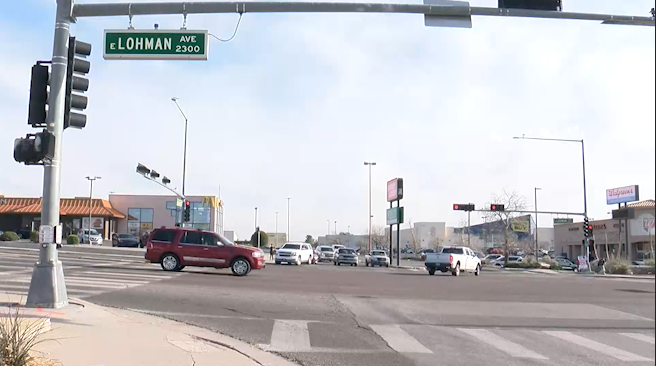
125	240
295	253
454	259
377	257
325	252
566	264
175	248
347	256
500	262
490	257
95	238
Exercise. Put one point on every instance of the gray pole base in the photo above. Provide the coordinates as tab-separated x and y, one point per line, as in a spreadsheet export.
47	289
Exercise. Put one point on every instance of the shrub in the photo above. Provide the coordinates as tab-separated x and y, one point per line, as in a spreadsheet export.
17	337
617	266
73	239
9	236
34	236
518	265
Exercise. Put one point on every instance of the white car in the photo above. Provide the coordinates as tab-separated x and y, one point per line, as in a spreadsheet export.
95	237
325	253
377	257
295	253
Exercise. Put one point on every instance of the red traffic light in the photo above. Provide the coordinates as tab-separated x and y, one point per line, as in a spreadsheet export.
187	203
497	207
456	207
590	227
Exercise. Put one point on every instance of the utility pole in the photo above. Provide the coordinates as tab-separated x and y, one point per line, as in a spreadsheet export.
48	287
335	227
469	229
184	154
90	179
288	232
369	164
276	229
537	245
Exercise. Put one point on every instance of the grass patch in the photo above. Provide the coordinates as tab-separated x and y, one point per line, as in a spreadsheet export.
18	335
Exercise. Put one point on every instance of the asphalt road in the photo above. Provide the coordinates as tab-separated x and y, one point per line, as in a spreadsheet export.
326	315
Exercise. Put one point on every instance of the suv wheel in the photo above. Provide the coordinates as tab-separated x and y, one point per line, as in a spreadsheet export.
240	267
170	262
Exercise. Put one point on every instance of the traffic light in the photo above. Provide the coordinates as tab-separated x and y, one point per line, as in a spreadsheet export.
75	83
187	211
463	207
587	228
497	207
34	148
38	96
549	5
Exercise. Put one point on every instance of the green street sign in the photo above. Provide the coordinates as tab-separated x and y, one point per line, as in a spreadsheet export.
154	44
395	215
563	221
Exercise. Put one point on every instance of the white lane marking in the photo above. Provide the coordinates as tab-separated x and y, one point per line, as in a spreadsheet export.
399	340
131	275
290	336
94	284
118	281
79	253
640	337
598	347
502	344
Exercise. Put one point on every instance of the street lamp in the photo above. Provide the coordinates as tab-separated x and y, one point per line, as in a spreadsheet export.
328	232
276	229
369	164
257	231
184	158
537	246
335	227
90	179
586	250
288	232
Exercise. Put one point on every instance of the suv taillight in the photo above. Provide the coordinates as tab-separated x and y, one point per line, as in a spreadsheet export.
450	258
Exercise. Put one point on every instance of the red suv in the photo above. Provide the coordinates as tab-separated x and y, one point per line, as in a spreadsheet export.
175	248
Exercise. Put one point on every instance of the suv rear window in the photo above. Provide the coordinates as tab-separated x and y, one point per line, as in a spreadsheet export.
166	236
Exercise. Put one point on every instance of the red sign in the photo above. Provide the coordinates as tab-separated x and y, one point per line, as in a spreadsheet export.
395	189
648	223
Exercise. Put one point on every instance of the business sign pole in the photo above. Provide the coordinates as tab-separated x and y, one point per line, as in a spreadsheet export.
395	214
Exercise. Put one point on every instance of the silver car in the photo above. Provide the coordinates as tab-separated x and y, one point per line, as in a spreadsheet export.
347	256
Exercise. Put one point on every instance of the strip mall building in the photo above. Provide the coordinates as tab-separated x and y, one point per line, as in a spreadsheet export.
133	214
610	236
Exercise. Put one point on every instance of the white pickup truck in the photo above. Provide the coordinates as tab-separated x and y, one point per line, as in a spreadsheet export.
453	259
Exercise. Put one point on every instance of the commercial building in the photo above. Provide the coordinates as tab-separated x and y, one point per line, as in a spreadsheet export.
122	213
145	212
611	236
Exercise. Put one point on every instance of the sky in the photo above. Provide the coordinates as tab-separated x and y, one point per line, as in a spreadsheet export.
295	103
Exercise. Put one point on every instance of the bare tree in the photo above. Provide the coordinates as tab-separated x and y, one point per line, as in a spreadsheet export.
379	239
415	245
512	201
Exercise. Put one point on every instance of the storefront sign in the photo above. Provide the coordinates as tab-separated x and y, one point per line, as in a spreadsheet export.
394	215
395	189
574	229
212	201
520	226
648	224
598	226
622	195
97	223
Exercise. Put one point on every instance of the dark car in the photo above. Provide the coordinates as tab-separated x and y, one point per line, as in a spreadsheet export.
125	240
175	248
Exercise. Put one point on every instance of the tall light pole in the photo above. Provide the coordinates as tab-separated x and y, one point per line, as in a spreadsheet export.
90	179
288	232
328	232
369	164
348	230
335	227
257	232
585	250
184	157
537	245
276	229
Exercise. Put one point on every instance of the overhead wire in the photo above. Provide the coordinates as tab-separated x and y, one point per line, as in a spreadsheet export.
233	34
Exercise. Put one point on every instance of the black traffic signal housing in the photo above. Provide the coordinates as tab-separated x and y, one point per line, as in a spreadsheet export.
497	207
35	148
587	228
548	5
36	115
76	83
187	211
464	207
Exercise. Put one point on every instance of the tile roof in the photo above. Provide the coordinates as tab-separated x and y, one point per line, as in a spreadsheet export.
67	206
643	204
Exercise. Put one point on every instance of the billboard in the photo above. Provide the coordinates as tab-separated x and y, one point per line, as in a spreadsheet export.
395	215
520	226
395	189
622	195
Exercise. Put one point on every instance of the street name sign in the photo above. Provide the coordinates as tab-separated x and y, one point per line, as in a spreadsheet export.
558	221
155	44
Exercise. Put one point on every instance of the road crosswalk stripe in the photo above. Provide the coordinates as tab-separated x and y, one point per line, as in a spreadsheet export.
131	275
399	340
290	336
640	337
92	283
502	344
597	347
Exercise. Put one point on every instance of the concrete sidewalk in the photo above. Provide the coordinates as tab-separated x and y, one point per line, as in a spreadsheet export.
84	334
